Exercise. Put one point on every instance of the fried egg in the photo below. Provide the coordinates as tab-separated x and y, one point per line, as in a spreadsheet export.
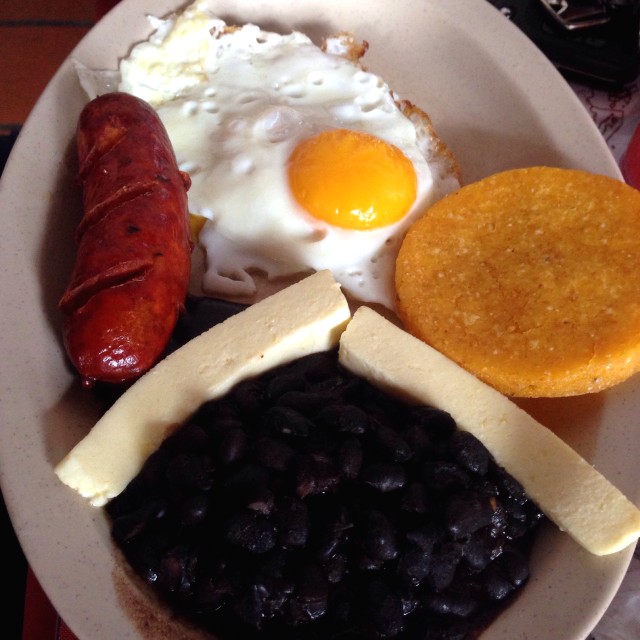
300	159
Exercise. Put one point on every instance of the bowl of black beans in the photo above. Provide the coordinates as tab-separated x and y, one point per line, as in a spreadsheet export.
307	503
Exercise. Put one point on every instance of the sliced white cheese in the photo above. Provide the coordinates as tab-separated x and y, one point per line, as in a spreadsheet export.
565	486
304	318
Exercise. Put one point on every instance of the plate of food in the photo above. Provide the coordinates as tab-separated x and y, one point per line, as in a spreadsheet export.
268	166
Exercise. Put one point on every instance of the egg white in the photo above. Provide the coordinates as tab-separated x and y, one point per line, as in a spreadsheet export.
235	104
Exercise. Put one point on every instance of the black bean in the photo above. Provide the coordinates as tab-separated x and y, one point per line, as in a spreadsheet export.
516	511
331	533
377	536
285	382
509	572
340	610
176	571
211	595
272	585
292	519
426	537
444	563
248	398
213	412
384	608
415	498
394	446
409	602
467	512
250	531
452	603
232	446
336	567
350	458
534	513
435	422
488	487
219	426
273	454
496	585
316	474
309	600
345	418
420	441
441	475
307	403
368	563
249	604
326	545
514	566
261	500
282	420
314	367
192	437
191	471
520	518
482	548
510	486
272	565
240	485
195	509
275	595
145	552
500	518
130	525
469	452
413	565
319	442
305	481
342	386
384	477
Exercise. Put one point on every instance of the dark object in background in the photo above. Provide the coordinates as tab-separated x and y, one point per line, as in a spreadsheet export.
8	135
593	41
15	571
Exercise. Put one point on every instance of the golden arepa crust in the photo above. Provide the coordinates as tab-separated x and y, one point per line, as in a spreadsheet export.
530	279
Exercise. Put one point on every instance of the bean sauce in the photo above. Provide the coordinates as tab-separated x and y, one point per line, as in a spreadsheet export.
308	504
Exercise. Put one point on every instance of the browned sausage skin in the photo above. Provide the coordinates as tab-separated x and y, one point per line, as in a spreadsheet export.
131	272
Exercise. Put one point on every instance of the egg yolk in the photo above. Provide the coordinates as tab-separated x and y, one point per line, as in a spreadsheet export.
352	179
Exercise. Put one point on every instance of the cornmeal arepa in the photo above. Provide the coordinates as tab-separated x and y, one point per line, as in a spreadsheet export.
530	279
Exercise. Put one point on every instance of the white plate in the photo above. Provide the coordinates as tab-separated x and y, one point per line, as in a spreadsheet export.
498	104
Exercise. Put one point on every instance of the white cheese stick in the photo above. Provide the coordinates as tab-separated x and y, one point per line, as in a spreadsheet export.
304	318
576	497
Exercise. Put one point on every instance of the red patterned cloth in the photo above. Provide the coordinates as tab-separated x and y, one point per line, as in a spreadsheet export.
103	6
41	621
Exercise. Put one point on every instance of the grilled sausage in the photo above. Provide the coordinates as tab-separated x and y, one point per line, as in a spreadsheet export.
131	273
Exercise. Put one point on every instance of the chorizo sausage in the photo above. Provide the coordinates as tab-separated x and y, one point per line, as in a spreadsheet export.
132	267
